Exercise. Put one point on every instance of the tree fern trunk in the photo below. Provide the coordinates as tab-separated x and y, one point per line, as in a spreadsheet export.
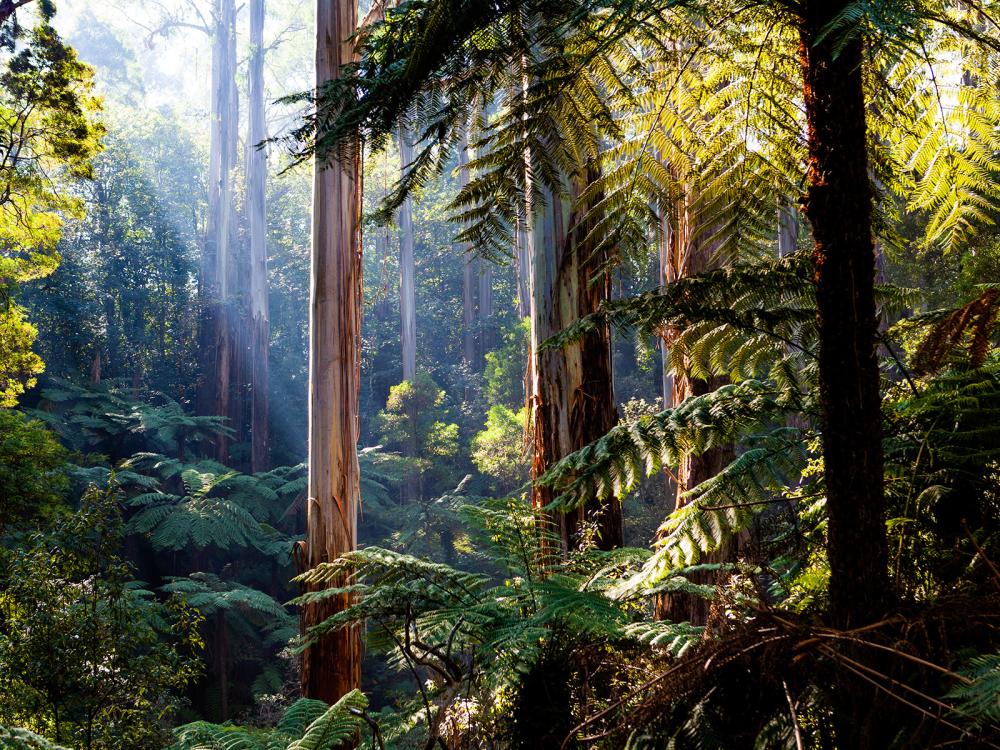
572	396
838	204
257	214
332	666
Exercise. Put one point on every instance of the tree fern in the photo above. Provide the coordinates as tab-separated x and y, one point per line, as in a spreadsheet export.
13	738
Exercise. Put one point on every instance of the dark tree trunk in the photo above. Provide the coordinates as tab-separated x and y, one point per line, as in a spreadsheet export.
838	204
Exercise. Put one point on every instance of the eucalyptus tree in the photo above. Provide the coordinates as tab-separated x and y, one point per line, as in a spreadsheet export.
826	61
256	207
218	280
331	666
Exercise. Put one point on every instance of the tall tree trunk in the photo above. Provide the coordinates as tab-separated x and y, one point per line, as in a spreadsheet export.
838	204
468	273
666	275
572	396
521	264
332	666
407	313
216	270
407	299
487	339
788	229
684	253
257	213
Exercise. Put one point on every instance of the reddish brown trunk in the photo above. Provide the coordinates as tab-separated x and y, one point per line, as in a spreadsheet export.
332	666
684	252
693	470
573	395
838	204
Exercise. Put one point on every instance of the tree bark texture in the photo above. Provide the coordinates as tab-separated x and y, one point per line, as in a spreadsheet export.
684	252
332	666
572	399
257	214
838	204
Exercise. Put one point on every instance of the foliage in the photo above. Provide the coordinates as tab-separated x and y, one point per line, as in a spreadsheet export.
87	654
414	423
306	725
46	110
32	470
499	450
469	640
22	739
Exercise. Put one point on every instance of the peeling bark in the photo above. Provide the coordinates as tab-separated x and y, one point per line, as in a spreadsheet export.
684	253
332	666
572	395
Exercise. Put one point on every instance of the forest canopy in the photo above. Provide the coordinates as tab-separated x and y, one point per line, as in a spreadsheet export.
542	374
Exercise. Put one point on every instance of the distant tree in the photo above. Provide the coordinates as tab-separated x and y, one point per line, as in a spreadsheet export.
260	332
500	450
415	417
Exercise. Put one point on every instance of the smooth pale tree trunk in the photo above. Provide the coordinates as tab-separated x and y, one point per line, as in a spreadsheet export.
332	666
407	298
468	273
487	339
788	229
257	215
521	264
216	268
572	399
407	312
